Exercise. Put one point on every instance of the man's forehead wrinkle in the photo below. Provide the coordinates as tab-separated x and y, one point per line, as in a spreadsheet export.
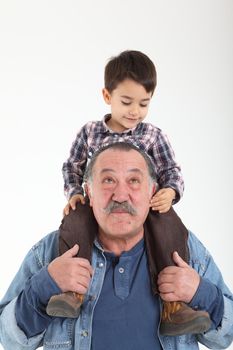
109	158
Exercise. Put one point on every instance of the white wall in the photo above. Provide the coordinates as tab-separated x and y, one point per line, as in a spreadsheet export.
52	57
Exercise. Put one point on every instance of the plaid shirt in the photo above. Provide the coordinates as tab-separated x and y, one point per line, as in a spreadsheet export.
147	137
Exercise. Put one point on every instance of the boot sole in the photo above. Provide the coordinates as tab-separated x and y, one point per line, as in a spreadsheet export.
197	326
60	308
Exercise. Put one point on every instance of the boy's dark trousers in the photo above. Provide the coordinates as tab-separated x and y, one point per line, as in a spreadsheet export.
163	234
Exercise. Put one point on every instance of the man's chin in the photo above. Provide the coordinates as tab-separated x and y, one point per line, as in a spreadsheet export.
121	220
121	227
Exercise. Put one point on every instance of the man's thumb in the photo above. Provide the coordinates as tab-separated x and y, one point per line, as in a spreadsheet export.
71	252
178	260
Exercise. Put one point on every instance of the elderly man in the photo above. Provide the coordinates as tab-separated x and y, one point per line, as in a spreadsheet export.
120	311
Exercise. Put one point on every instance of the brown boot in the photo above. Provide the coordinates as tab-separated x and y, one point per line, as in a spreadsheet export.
178	319
65	305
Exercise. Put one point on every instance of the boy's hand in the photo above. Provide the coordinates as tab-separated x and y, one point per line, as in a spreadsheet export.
72	203
162	200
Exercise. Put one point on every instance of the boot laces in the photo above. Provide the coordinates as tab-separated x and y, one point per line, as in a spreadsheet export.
79	297
169	308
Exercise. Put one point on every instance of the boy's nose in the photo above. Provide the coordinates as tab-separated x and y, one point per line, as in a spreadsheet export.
133	112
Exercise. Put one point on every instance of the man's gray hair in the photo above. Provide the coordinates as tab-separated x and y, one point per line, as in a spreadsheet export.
121	146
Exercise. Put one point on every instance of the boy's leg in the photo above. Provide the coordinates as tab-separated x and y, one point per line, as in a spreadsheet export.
78	227
164	234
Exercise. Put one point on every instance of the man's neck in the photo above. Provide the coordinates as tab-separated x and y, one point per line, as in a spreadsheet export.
117	245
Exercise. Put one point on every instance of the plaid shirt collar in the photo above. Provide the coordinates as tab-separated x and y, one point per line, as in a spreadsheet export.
106	129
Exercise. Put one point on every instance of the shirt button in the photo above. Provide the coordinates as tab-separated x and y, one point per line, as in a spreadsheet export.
121	270
101	265
90	154
84	333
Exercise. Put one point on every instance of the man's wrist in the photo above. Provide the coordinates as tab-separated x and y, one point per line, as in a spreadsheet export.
44	286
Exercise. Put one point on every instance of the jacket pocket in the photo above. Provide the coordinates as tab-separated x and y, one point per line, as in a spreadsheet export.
59	334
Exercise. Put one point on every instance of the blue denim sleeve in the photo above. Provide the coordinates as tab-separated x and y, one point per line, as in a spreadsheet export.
30	308
209	298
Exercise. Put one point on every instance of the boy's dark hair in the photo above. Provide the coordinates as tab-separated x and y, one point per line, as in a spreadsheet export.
133	65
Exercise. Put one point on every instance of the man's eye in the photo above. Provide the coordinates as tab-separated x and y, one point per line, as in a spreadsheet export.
108	180
143	106
134	181
125	103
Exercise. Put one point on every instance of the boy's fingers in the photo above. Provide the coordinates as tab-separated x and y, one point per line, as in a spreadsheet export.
66	210
82	200
73	205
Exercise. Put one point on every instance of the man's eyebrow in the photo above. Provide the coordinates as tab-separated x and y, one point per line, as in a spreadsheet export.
106	170
110	170
131	99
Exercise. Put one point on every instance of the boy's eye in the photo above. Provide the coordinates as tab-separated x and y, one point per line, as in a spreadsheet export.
129	103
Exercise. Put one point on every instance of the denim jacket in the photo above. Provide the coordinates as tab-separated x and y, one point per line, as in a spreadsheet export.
75	334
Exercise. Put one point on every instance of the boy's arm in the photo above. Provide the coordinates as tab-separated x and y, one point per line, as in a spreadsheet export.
167	169
73	169
163	200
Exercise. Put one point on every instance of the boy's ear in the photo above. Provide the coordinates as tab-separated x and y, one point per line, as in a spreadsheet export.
106	96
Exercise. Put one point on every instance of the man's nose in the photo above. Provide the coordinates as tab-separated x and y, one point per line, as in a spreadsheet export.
120	193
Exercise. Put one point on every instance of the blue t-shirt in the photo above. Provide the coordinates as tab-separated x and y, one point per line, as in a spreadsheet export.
126	315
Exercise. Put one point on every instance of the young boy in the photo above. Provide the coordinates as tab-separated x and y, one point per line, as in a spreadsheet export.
130	81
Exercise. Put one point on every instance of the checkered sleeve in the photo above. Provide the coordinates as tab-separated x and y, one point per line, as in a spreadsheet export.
73	169
168	171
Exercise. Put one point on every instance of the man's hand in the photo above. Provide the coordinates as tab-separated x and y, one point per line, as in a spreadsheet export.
72	203
162	200
178	283
71	273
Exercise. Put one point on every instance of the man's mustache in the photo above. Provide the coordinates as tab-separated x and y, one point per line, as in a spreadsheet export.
124	206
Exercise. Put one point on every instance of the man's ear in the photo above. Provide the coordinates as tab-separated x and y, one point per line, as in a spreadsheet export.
154	189
106	96
88	193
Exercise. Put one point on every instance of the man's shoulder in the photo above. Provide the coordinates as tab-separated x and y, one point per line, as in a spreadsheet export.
46	249
199	255
194	242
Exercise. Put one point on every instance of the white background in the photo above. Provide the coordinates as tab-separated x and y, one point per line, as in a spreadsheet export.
52	58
